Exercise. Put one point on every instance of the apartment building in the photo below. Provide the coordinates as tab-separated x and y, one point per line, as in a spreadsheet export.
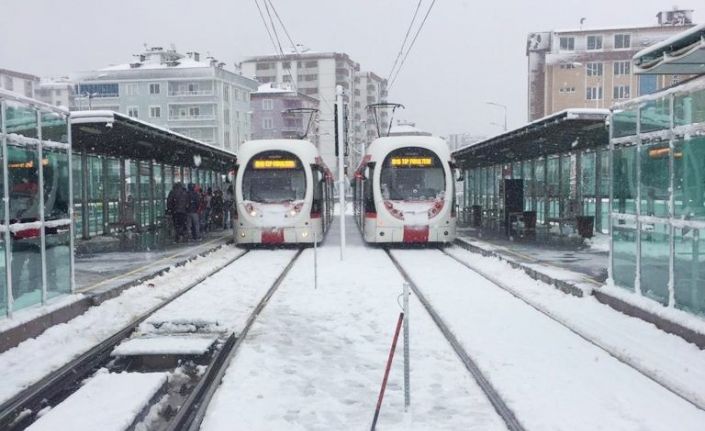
19	82
591	68
56	92
197	98
272	118
314	74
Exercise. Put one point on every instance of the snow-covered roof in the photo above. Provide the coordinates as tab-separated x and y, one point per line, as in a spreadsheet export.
182	63
407	130
682	53
270	88
11	95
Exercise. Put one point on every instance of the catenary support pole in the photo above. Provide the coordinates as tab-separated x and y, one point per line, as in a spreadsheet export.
341	166
386	372
315	260
407	358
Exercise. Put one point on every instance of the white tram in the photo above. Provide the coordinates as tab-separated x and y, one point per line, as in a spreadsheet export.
405	191
283	193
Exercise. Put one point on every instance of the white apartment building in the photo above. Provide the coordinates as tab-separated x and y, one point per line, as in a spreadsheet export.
314	74
19	82
200	99
56	92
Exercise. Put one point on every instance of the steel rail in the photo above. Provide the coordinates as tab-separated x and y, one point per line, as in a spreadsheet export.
190	415
52	388
625	359
491	393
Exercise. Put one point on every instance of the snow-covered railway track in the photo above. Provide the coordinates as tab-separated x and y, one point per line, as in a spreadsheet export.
482	380
192	412
622	357
21	410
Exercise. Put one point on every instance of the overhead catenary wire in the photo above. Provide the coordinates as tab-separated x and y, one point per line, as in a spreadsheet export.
413	41
266	27
274	28
276	44
406	37
286	32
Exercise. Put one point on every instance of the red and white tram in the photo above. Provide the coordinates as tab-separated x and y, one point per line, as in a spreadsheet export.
283	193
405	191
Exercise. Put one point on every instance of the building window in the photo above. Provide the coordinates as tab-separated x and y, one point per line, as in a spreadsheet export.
133	112
594	42
267	123
311	64
267	104
99	90
194	112
28	90
286	78
9	85
621	68
593	93
154	89
226	140
155	112
286	65
226	116
566	90
567	44
622	41
264	66
567	66
594	69
621	92
132	90
310	78
226	92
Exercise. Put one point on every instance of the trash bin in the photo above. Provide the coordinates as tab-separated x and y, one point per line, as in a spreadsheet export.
476	215
585	225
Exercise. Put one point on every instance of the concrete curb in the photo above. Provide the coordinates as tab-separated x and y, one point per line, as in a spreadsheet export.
612	301
35	327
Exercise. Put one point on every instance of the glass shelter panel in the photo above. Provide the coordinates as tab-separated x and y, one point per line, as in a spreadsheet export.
689	178
624	178
689	269
655	256
624	253
655	179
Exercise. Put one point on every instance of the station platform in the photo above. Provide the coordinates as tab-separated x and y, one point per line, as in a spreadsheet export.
579	268
102	273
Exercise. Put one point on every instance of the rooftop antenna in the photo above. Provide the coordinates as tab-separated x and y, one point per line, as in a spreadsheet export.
582	20
300	111
384	105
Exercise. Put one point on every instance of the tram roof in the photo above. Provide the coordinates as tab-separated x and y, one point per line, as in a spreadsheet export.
117	135
557	133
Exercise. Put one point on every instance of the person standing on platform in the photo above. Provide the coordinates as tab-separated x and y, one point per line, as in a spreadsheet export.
180	211
194	202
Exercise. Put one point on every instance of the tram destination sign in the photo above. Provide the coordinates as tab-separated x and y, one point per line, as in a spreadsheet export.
274	164
411	161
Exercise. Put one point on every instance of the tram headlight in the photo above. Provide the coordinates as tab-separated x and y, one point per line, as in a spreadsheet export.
304	234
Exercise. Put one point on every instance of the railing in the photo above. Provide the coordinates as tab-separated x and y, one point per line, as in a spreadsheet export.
191	117
190	92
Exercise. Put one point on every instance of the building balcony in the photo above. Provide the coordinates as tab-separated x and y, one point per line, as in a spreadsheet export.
190	93
204	117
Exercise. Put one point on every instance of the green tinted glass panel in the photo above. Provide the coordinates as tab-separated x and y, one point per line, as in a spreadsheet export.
624	123
655	252
3	281
624	178
655	115
21	119
689	269
689	178
624	253
54	127
58	260
56	184
689	108
655	179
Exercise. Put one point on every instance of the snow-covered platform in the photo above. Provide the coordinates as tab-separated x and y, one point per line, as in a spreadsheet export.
99	277
582	271
107	402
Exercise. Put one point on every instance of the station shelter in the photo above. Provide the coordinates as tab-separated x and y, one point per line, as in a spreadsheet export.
127	168
657	146
547	177
36	262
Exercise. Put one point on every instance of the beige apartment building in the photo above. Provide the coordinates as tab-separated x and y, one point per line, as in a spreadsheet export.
591	68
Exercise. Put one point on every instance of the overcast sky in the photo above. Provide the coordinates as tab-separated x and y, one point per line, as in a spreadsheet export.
469	52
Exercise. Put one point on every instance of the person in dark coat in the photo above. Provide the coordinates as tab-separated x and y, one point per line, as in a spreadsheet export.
180	211
194	204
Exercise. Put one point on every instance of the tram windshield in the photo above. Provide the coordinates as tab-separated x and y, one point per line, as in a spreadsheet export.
412	174
274	177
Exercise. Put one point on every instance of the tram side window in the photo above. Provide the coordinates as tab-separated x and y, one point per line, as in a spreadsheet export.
317	190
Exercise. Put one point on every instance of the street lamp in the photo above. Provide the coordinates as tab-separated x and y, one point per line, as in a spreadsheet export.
505	112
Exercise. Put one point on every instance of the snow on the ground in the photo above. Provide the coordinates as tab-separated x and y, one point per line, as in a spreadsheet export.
549	376
165	345
223	302
106	402
676	362
35	358
314	359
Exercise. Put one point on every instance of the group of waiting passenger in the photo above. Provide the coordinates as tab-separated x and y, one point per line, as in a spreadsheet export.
194	211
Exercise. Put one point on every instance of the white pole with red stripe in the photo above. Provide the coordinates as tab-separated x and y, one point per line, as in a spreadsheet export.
341	165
